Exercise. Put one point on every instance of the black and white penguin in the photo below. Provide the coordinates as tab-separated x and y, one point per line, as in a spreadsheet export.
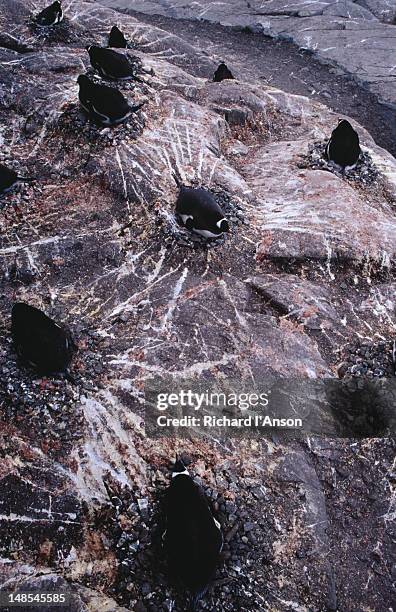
105	104
39	341
343	147
110	64
9	178
200	212
193	538
222	73
117	39
52	15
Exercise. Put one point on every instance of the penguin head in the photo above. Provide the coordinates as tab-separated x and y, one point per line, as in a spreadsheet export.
92	50
20	310
179	468
117	37
344	126
57	5
223	225
83	80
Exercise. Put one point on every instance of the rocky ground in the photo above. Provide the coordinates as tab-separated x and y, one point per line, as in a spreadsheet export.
354	40
303	286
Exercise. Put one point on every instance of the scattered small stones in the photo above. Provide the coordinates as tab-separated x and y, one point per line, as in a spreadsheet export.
46	408
75	121
364	404
368	360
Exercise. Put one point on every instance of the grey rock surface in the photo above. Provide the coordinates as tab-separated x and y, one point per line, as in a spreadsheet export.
308	268
359	37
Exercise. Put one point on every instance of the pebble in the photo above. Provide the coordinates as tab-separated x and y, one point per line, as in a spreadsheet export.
143	506
365	172
374	360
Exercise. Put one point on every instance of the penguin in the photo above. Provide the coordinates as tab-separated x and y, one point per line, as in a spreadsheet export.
117	39
193	539
52	15
110	64
200	212
222	73
343	147
9	178
39	341
105	104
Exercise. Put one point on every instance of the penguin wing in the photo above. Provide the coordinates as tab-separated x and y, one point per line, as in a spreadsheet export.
85	100
199	210
327	149
7	177
186	202
114	64
192	539
41	341
110	102
335	150
207	220
55	348
193	545
48	16
353	148
44	16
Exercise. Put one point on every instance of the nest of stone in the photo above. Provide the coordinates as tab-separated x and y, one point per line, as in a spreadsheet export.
175	232
61	33
124	84
365	172
46	406
20	191
368	360
135	524
13	203
75	123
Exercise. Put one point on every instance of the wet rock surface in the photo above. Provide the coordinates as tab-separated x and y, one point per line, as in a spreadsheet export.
307	271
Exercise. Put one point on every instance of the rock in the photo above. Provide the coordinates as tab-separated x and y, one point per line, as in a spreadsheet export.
304	218
143	506
96	244
21	579
335	32
299	298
